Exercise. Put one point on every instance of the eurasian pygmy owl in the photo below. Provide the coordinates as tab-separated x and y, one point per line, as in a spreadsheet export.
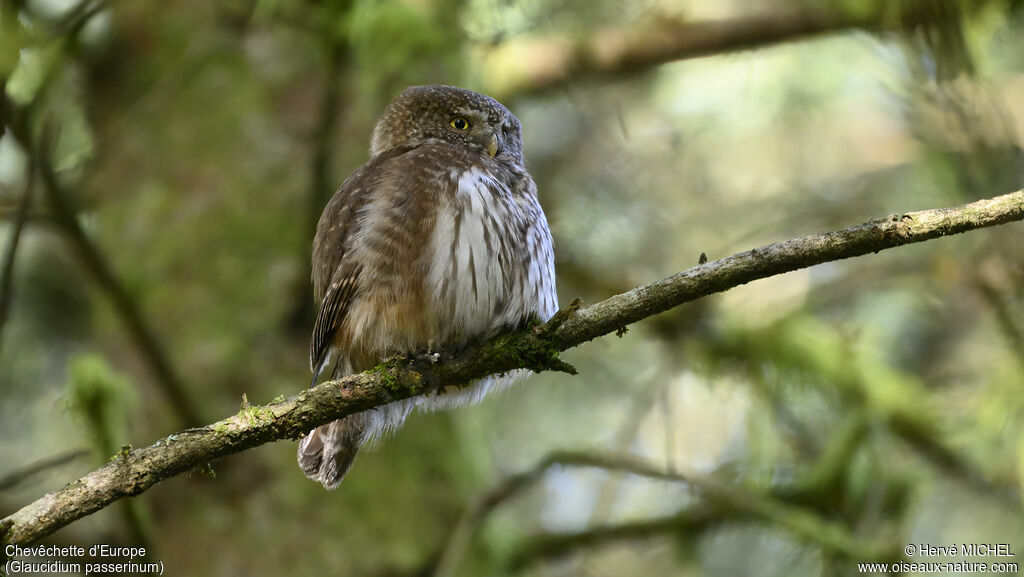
436	241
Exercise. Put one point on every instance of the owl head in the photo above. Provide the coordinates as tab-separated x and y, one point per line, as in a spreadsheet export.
433	114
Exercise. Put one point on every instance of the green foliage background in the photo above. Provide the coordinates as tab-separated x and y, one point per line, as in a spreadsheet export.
199	141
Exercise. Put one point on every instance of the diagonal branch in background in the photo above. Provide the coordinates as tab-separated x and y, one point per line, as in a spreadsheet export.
15	478
737	507
716	503
624	51
896	405
999	299
321	183
20	218
540	65
134	471
96	263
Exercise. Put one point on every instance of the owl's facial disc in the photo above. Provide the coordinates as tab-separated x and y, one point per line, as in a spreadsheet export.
431	114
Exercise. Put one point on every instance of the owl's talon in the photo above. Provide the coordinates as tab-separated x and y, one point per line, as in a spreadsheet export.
559	317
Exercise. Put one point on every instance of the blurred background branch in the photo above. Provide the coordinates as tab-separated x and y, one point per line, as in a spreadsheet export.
321	181
624	51
96	263
135	321
7	268
712	503
14	478
715	504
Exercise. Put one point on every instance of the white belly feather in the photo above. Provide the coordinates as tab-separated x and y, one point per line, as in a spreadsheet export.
489	269
467	280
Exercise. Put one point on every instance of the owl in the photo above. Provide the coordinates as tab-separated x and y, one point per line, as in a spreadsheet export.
437	241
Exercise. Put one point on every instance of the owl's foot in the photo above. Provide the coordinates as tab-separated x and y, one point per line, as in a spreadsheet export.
559	317
434	356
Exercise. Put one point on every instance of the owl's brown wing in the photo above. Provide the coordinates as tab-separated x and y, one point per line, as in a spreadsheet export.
334	278
332	313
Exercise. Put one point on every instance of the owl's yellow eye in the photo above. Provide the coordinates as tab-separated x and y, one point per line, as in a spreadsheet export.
459	123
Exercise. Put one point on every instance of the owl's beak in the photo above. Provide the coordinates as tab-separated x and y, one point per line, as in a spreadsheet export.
493	145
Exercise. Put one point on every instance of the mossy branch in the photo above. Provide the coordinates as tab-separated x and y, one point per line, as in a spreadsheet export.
534	348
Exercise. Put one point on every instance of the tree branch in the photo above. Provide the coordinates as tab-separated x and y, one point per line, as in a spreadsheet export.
786	504
7	268
138	325
729	506
324	139
15	478
1002	305
624	51
780	505
133	471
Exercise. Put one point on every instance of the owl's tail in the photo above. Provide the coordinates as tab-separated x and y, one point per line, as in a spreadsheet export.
327	452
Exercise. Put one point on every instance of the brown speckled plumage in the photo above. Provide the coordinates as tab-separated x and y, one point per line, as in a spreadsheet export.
437	240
